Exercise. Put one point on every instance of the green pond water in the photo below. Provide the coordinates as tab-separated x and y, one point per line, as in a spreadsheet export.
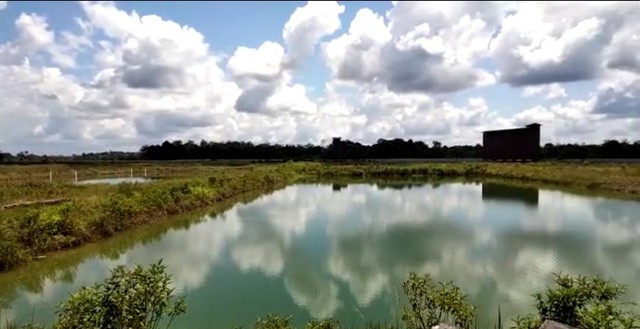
342	251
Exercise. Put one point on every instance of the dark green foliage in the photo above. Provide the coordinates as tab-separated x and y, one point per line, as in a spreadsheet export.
607	315
136	298
581	302
10	252
432	303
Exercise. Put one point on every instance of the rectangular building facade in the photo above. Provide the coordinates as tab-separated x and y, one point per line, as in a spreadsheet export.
521	144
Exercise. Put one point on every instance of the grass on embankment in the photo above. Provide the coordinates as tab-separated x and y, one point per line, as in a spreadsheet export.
26	233
622	178
99	211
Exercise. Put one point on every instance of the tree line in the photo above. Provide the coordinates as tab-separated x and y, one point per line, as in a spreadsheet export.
383	149
339	149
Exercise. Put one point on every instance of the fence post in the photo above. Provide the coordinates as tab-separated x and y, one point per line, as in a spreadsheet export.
50	176
145	172
131	173
75	173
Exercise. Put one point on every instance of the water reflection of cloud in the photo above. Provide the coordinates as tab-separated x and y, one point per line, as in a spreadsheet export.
367	239
260	247
370	263
310	287
190	254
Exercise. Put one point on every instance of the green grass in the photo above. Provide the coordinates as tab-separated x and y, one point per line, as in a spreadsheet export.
95	212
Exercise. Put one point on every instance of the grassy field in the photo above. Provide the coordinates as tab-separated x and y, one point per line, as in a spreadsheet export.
92	212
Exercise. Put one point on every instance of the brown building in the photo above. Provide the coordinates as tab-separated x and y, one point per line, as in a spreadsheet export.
521	144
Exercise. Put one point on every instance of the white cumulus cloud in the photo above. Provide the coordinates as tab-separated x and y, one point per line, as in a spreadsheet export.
116	79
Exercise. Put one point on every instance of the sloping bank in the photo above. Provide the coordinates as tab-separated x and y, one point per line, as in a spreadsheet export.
24	235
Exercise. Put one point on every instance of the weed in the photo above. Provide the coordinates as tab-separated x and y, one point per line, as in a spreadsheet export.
10	252
581	302
432	303
136	298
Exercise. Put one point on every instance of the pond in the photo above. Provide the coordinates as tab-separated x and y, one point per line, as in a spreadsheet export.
321	250
115	181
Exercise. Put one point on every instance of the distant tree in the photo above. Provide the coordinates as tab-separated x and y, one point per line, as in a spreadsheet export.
338	149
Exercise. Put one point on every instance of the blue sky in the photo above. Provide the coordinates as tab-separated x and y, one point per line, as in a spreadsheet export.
259	71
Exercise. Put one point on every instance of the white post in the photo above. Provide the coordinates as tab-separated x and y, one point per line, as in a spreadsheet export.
145	172
131	172
50	176
75	172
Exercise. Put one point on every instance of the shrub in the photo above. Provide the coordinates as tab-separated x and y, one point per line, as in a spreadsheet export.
65	224
136	298
10	250
431	304
116	214
581	302
35	229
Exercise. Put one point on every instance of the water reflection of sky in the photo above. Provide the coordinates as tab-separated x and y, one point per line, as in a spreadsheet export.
320	251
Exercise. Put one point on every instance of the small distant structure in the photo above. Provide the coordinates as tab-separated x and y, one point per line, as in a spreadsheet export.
520	144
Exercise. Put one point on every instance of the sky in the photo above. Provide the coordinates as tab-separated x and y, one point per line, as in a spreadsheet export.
97	76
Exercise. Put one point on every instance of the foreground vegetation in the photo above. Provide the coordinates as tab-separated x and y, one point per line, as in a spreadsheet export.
142	298
90	213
